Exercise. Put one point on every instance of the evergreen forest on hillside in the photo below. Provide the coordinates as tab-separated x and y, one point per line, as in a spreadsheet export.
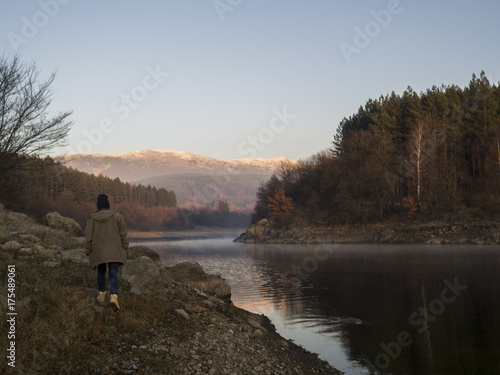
417	157
40	185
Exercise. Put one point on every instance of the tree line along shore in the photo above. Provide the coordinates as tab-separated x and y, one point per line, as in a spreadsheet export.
414	158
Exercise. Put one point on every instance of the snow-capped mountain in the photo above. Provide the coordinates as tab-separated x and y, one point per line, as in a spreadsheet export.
194	179
139	165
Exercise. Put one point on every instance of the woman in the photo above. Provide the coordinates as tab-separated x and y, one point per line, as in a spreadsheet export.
106	244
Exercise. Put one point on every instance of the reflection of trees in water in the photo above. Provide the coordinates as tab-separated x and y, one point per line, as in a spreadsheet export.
383	287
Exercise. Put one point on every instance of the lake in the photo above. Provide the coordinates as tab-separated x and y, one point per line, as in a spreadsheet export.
366	309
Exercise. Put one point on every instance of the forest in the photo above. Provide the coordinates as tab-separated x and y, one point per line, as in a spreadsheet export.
414	157
41	185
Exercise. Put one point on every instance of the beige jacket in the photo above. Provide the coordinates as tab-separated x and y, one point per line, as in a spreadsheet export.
106	237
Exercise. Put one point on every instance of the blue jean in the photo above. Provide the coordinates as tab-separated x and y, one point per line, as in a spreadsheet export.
112	274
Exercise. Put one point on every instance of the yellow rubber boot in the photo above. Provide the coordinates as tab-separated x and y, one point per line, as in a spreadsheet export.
114	302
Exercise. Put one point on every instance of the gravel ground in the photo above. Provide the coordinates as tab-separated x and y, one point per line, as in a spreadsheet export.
221	339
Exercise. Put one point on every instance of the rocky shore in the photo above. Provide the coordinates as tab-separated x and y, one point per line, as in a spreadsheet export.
435	233
176	320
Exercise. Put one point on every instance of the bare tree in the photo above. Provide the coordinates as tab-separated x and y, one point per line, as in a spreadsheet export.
418	155
25	125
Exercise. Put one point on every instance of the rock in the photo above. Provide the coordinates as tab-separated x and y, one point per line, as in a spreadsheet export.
75	256
434	241
255	324
386	235
217	301
1	207
191	274
135	252
25	251
142	275
182	313
258	232
241	238
78	241
18	217
259	368
30	238
258	333
207	303
51	264
44	253
489	241
12	245
56	221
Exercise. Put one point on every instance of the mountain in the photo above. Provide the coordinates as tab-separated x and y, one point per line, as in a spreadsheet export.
195	179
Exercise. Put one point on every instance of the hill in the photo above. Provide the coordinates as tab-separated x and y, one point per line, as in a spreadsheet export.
194	179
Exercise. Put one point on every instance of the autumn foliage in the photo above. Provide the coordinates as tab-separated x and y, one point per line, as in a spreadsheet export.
433	155
279	204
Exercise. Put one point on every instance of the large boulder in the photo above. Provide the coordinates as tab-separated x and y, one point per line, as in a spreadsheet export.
135	252
56	221
259	231
142	275
191	274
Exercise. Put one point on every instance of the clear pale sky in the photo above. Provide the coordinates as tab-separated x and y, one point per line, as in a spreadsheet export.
209	77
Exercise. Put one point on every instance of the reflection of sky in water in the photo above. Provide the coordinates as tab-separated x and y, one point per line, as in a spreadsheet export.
378	286
252	289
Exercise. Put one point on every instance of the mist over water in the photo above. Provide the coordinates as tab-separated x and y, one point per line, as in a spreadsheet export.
401	309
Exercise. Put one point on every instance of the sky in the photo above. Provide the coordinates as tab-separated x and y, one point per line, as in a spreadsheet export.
232	79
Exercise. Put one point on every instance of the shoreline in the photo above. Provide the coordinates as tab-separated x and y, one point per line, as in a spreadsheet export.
169	323
432	233
200	233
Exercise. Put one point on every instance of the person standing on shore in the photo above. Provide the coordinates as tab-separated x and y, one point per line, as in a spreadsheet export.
106	243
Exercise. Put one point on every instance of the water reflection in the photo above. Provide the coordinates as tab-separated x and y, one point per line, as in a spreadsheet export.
359	299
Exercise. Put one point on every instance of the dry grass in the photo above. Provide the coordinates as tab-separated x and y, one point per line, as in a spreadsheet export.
62	329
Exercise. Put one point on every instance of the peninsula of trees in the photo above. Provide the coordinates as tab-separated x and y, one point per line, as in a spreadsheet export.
433	155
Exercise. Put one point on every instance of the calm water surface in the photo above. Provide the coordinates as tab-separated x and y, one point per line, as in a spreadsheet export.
367	309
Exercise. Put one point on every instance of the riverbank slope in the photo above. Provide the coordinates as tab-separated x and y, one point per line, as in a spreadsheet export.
175	320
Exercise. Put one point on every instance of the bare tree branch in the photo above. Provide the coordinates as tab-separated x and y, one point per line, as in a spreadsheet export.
25	125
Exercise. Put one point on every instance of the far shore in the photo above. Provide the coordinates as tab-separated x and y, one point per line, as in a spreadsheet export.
433	233
196	233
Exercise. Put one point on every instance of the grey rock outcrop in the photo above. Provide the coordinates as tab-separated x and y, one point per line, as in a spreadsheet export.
258	231
142	275
135	252
193	275
56	221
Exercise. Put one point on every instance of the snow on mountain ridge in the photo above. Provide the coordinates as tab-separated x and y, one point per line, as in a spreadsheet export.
148	156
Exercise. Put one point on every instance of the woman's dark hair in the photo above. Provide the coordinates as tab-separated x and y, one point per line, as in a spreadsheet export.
102	201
